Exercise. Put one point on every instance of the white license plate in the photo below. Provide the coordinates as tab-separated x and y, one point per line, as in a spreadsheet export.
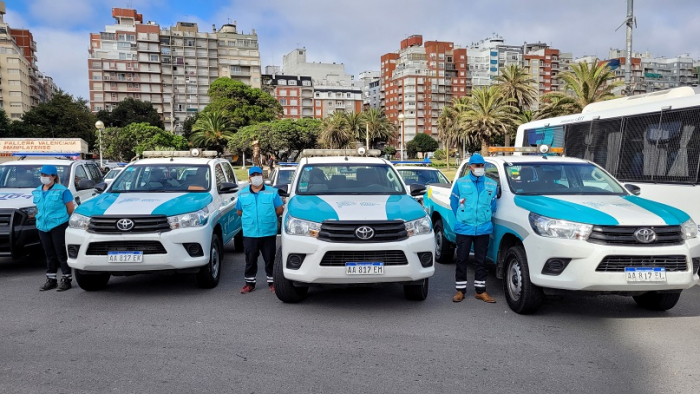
635	274
364	268
124	257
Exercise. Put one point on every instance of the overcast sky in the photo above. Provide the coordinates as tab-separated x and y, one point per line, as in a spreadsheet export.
358	32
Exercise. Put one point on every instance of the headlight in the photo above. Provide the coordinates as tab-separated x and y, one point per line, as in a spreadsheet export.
555	228
419	226
79	221
294	226
689	229
30	211
192	219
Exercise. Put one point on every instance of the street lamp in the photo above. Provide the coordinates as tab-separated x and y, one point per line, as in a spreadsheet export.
401	119
100	126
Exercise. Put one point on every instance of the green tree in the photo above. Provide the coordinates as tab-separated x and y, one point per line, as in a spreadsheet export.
425	143
212	131
127	142
131	110
379	127
187	125
4	124
278	137
355	122
487	114
242	104
516	84
335	132
584	84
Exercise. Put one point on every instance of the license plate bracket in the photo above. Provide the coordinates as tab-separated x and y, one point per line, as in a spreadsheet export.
364	268
125	257
645	274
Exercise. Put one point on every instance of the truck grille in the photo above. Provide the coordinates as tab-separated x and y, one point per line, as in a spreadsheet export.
618	263
624	236
339	258
142	224
344	231
147	247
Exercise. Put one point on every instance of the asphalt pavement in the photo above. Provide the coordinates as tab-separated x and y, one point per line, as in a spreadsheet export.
162	334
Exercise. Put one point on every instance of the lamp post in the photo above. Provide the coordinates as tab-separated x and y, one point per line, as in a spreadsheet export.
401	119
100	126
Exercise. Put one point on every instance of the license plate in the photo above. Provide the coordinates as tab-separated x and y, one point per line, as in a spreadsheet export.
645	274
364	268
124	257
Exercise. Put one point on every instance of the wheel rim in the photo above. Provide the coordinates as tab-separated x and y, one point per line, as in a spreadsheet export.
514	280
438	243
214	262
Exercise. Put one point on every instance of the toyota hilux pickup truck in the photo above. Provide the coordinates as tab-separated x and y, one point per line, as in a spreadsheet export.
565	224
352	221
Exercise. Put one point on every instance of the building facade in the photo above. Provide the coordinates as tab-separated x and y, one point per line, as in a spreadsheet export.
294	63
294	93
544	64
486	59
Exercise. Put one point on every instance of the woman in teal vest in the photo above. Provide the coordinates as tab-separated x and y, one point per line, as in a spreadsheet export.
54	204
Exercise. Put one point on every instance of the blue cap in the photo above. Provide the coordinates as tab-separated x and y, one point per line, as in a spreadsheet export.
476	159
49	170
255	169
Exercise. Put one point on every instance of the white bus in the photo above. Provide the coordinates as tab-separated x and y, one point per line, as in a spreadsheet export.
650	142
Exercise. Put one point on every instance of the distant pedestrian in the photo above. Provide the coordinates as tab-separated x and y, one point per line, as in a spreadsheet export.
54	204
258	206
271	163
473	201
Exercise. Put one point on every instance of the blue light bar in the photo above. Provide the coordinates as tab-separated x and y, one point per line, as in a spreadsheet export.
46	154
287	164
415	163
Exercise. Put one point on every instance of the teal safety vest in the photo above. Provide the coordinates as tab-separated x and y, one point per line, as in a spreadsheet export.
51	210
259	217
474	215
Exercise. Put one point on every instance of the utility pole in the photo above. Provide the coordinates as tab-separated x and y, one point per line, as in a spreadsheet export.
631	22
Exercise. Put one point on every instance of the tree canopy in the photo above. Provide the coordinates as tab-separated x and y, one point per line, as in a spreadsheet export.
242	104
125	143
274	137
130	111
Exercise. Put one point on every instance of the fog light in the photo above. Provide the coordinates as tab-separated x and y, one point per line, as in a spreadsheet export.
555	266
194	249
294	261
73	251
426	259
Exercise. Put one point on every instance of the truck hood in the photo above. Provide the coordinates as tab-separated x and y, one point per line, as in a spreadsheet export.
168	204
603	210
16	198
354	207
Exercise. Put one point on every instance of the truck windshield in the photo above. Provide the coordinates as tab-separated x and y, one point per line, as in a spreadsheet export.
349	179
422	177
27	175
561	178
162	178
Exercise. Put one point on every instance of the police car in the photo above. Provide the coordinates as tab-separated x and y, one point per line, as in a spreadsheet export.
565	224
170	211
351	220
18	233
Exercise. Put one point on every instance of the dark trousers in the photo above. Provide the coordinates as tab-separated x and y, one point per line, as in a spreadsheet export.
54	243
253	247
464	245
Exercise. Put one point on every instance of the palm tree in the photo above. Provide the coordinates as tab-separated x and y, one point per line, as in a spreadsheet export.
448	128
378	127
335	132
487	114
212	130
356	123
586	83
518	85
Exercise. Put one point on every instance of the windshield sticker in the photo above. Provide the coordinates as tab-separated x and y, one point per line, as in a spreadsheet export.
303	186
14	196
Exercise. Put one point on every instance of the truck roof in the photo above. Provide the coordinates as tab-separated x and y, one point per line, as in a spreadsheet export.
343	160
534	159
175	160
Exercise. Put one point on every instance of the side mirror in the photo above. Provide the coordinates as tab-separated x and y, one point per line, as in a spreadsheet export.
282	189
85	184
228	187
498	191
100	187
268	182
417	189
634	189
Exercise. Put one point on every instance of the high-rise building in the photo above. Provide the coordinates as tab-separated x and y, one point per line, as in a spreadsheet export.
419	81
294	63
544	64
239	55
294	93
365	79
27	45
125	62
486	59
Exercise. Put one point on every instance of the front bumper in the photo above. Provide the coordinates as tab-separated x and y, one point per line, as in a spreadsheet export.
175	257
311	270
18	233
581	274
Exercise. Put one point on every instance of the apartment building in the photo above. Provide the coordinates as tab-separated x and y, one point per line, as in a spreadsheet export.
295	94
486	59
544	64
239	55
365	80
17	92
329	99
419	80
27	45
125	61
295	63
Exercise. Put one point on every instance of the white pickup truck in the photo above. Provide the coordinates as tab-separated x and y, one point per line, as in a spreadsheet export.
566	224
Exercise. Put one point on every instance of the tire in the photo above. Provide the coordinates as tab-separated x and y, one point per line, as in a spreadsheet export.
284	288
417	292
522	296
238	242
444	251
208	276
654	301
91	282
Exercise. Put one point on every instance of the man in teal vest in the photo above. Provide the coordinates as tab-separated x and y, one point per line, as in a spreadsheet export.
258	206
473	201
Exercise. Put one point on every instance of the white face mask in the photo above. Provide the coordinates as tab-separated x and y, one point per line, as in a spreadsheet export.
45	180
478	171
256	180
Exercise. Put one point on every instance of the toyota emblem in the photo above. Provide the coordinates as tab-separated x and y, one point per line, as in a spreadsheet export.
125	224
645	235
364	232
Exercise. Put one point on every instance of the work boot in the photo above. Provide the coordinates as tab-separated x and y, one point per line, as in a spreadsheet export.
458	297
50	284
485	297
64	285
247	289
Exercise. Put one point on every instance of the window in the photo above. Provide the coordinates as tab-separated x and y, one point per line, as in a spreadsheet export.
230	174
14	83
80	174
283	92
292	82
95	173
154	58
283	101
13	71
220	176
293	102
16	94
293	111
